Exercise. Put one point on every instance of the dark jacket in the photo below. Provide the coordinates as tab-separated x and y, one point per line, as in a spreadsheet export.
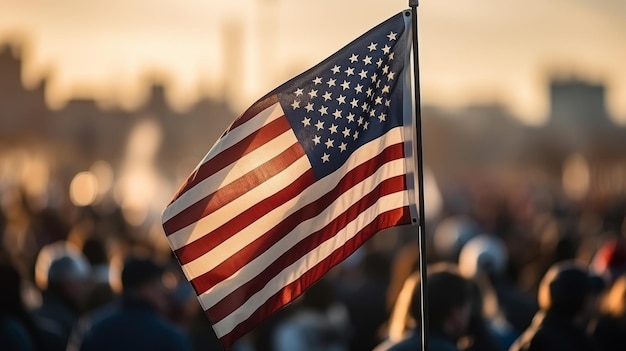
14	336
131	325
55	318
551	331
610	334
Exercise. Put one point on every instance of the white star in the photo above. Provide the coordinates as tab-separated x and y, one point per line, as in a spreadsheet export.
379	100
372	113
358	88
386	49
306	121
299	92
295	104
354	58
354	103
346	132
365	107
343	146
337	114
363	74
391	56
365	125
372	46
360	120
329	143
327	96
341	99
331	82
392	36
333	128
350	117
387	102
350	71
319	125
367	60
379	62
325	158
374	77
313	93
385	69
335	69
369	92
309	107
382	117
345	85
385	89
323	110
317	80
356	135
390	75
316	140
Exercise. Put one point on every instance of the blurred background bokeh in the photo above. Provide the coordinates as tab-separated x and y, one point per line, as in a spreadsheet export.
106	106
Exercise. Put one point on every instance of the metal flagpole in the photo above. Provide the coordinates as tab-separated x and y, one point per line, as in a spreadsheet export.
420	180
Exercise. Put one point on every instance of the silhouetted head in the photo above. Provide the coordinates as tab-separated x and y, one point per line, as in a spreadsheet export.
566	288
449	300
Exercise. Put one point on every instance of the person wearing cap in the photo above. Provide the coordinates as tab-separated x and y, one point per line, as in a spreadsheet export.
566	296
136	322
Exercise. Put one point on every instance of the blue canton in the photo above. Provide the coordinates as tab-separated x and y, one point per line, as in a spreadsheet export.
349	99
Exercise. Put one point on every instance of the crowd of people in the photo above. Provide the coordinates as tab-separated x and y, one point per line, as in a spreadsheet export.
514	270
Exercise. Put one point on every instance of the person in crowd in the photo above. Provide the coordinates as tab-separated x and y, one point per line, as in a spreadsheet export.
316	323
450	297
17	328
609	332
101	292
362	288
566	296
488	329
137	322
63	299
483	260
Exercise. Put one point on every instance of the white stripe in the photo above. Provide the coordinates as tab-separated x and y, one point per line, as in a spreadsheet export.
231	173
245	129
233	244
301	231
233	137
298	268
238	241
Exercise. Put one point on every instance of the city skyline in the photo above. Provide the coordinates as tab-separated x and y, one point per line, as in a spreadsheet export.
494	53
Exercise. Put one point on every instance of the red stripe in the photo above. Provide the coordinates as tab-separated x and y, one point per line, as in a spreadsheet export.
235	152
290	292
238	187
254	110
207	280
231	302
209	241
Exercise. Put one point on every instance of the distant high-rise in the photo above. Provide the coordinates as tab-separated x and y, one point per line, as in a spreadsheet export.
578	102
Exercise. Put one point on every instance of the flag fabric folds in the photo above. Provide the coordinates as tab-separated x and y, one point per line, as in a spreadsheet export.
299	181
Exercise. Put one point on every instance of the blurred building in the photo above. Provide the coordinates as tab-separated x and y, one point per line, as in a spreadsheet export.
476	139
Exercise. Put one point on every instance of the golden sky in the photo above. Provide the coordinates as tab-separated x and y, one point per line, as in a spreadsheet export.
470	51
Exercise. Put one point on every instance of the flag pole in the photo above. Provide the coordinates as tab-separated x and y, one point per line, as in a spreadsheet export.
420	179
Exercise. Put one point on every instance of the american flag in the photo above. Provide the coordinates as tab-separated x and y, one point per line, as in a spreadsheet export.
298	182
